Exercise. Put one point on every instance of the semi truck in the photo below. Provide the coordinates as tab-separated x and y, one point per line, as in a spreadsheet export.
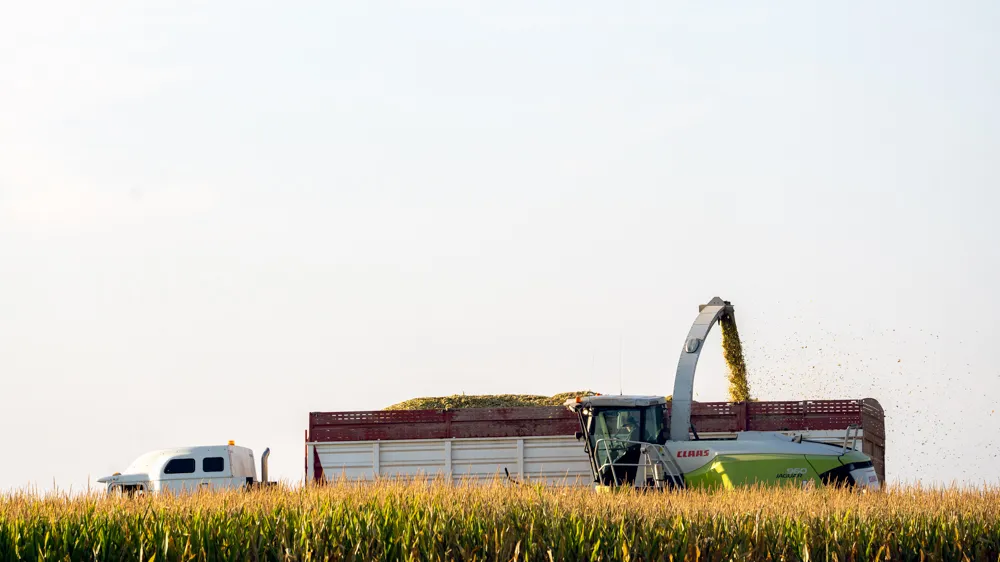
188	469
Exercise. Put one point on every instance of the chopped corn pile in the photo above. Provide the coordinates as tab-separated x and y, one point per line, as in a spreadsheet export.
460	401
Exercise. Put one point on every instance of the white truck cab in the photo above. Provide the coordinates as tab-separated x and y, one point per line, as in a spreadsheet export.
187	469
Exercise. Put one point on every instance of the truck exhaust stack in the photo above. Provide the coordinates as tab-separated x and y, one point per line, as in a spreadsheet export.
263	465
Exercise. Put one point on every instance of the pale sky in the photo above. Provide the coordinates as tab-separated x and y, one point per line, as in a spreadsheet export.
216	219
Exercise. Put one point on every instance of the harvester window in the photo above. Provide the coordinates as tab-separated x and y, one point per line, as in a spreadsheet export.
212	464
179	466
618	425
609	432
626	424
600	432
652	429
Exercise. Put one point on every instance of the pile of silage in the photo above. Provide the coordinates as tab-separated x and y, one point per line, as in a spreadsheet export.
461	401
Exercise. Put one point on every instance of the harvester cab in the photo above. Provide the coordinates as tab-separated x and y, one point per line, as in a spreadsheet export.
624	440
629	442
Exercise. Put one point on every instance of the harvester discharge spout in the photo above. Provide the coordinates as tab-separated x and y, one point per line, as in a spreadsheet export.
680	408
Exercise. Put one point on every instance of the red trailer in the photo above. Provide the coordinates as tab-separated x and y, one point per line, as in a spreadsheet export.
540	442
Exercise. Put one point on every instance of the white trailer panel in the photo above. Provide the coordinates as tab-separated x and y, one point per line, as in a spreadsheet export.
552	460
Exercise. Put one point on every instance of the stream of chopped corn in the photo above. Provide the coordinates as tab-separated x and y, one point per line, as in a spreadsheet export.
739	388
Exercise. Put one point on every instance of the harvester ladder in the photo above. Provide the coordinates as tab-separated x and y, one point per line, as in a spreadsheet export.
848	438
672	474
663	468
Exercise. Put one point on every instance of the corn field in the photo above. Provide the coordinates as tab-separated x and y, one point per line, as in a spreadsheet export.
428	521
